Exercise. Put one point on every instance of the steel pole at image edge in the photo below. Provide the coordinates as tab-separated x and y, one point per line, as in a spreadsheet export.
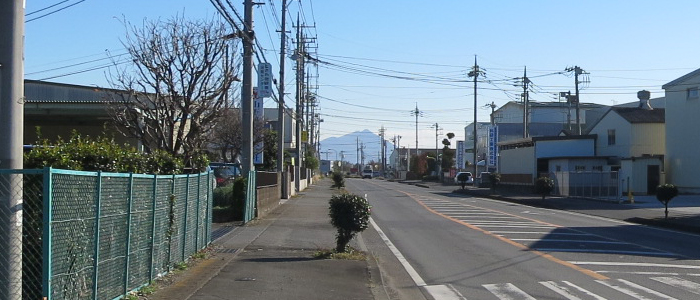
11	135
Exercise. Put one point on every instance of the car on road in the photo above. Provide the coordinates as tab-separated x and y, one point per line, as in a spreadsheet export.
367	173
464	176
225	174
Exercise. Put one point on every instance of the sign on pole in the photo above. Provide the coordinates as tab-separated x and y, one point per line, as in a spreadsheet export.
258	112
264	80
460	155
493	146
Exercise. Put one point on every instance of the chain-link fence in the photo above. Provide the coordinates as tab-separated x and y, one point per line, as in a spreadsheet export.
598	185
92	235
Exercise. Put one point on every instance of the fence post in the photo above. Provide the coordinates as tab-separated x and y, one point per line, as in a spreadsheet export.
46	236
153	227
96	253
171	221
208	215
130	202
184	219
196	227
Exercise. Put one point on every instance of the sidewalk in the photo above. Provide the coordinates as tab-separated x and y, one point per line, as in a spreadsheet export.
273	259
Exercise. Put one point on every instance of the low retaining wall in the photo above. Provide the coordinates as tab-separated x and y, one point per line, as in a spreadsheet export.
268	198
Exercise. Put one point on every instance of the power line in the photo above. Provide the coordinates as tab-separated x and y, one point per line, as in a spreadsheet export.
55	11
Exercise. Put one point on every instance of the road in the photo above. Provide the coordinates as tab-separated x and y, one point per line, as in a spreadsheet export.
458	247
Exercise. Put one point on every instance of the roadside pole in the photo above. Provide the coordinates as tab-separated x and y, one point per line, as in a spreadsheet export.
11	134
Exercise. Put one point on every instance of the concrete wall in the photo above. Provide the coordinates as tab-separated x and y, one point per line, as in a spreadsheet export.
517	165
682	140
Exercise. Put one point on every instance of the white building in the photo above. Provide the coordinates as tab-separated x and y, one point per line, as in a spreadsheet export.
682	137
633	139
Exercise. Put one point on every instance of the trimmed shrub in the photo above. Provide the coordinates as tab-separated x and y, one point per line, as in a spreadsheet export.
664	193
338	180
349	214
544	186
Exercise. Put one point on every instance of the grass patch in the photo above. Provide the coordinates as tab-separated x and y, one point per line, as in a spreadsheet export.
352	254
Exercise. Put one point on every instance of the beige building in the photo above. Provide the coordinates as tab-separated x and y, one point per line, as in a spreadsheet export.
682	137
633	140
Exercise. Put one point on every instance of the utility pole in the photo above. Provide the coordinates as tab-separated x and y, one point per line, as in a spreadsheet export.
416	112
357	157
437	155
475	72
11	135
281	108
382	149
577	71
299	57
247	90
526	104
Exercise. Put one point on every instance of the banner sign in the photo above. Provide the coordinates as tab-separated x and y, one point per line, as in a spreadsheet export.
264	80
493	146
460	155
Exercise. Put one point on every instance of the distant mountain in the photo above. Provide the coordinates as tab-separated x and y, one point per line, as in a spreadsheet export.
348	144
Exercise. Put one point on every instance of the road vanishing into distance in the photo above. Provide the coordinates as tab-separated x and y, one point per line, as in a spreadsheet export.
458	247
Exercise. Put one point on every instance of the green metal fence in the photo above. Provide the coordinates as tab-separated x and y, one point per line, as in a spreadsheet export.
94	235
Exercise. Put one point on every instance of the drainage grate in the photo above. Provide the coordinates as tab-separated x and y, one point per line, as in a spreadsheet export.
217	234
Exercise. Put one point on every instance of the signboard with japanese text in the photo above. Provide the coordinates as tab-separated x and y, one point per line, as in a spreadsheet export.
493	146
460	155
264	80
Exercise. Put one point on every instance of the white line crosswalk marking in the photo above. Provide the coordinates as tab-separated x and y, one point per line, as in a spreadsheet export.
687	285
634	290
568	293
507	291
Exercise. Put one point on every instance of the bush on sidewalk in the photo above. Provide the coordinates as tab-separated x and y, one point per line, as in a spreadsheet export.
544	186
349	214
664	193
338	180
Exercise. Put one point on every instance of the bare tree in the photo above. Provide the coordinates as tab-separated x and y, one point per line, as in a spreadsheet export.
178	79
227	137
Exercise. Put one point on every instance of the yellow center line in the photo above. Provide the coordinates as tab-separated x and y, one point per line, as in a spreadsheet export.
511	242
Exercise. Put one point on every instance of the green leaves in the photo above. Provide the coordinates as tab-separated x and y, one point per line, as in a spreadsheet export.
99	154
349	214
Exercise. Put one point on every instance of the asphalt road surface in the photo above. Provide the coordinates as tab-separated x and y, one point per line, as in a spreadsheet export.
458	247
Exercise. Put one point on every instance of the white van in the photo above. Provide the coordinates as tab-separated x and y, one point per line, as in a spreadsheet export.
367	173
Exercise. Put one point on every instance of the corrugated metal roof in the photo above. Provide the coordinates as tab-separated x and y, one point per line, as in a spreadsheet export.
49	92
681	79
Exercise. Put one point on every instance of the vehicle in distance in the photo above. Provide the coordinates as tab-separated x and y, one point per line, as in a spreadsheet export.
225	173
367	172
465	177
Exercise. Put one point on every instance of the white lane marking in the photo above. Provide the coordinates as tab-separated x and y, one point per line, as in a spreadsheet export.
572	241
600	263
509	226
541	232
567	292
411	271
687	285
444	292
651	273
507	291
634	290
666	254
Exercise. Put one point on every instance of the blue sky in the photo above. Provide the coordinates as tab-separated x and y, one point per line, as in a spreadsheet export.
382	58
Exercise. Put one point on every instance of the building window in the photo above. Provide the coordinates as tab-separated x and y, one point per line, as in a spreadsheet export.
693	93
598	168
580	168
611	137
558	168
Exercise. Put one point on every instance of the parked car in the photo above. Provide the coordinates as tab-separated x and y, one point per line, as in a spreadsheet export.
224	174
461	177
